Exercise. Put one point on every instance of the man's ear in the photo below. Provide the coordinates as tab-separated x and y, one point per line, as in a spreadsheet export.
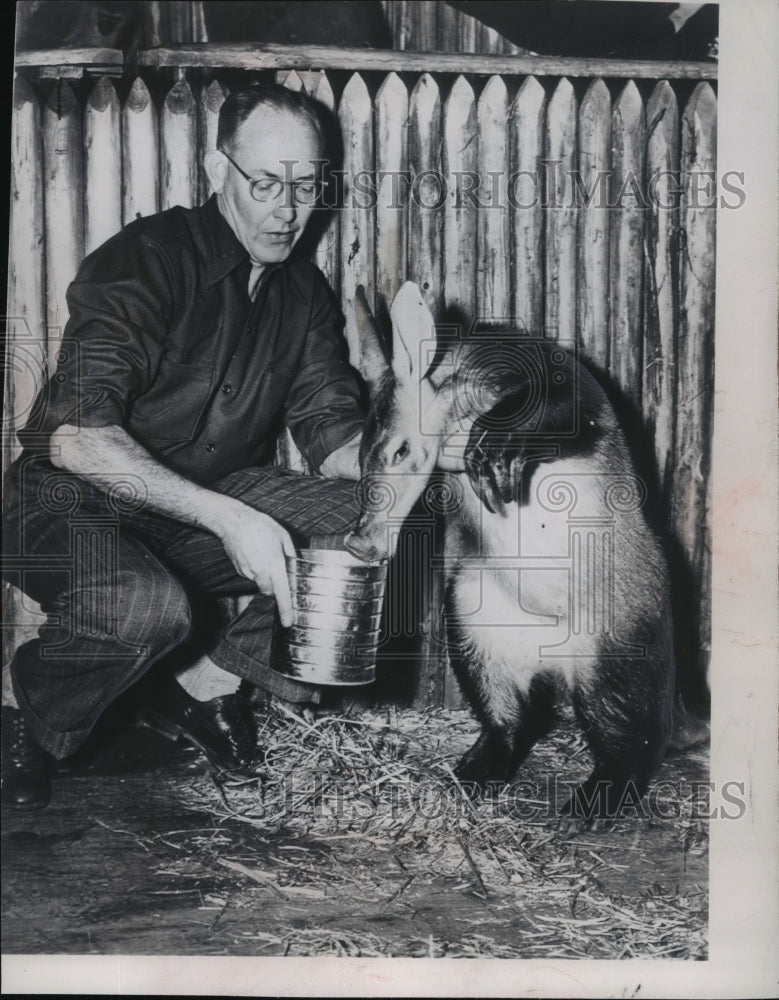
215	163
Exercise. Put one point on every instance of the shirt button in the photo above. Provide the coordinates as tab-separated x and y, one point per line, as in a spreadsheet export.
227	389
210	448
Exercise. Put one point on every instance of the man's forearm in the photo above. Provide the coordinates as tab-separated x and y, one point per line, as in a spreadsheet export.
99	453
254	542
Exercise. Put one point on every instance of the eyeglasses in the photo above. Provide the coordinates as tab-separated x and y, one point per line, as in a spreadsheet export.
269	188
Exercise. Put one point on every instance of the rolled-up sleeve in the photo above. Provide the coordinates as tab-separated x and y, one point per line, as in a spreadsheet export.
324	408
118	306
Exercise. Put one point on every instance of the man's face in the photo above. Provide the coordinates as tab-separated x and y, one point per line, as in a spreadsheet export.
269	144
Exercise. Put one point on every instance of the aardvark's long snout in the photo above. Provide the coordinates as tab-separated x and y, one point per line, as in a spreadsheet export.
363	547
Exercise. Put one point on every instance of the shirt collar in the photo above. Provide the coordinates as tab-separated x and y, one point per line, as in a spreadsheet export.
221	250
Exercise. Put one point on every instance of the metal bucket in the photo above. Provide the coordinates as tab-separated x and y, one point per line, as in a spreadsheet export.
336	603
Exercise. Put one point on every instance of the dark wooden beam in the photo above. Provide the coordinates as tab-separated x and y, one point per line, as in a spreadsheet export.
256	57
253	56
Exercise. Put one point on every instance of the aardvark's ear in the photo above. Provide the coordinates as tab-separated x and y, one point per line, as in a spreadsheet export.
374	361
412	325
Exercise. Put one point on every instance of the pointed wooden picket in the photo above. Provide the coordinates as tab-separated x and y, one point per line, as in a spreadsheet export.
493	297
25	361
323	91
103	165
526	197
313	80
326	253
628	144
306	81
287	452
302	81
661	304
290	80
355	114
428	193
460	164
561	213
593	264
178	148
393	188
63	162
25	348
140	154
695	367
211	100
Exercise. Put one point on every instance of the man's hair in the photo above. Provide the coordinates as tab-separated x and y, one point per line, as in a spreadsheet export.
240	104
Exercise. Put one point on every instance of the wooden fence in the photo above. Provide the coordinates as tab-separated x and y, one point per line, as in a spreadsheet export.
587	217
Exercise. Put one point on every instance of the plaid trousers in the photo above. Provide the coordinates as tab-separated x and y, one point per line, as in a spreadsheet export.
123	587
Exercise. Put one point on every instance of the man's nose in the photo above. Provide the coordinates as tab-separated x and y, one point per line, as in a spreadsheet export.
286	209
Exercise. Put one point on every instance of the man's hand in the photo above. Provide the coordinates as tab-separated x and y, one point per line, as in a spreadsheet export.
344	462
256	546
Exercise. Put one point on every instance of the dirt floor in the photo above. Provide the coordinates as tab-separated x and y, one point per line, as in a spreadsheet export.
354	839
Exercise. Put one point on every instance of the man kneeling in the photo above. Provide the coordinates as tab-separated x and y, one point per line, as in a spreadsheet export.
193	337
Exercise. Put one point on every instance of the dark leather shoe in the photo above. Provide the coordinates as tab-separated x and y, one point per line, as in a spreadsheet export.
222	728
25	767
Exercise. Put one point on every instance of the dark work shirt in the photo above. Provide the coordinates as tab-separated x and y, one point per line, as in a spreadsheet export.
164	341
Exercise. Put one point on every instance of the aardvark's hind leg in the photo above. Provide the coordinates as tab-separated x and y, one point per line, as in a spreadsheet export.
625	711
503	746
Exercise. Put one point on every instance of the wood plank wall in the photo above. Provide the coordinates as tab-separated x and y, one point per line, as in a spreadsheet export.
434	26
632	284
